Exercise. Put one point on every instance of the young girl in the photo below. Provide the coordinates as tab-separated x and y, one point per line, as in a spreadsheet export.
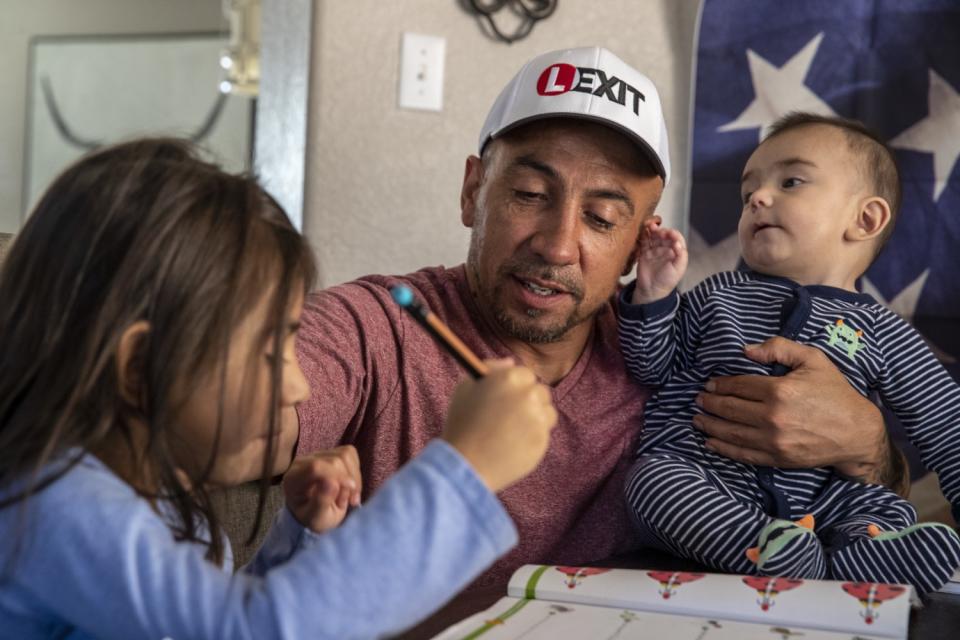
149	312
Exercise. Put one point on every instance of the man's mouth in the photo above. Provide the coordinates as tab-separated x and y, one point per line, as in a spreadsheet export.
541	287
760	227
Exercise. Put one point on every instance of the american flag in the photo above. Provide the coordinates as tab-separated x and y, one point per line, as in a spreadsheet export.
892	64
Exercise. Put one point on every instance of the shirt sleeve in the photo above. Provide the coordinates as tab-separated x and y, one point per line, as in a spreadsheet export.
925	398
661	337
348	349
285	537
113	570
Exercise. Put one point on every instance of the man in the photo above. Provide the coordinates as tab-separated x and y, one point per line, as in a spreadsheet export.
573	157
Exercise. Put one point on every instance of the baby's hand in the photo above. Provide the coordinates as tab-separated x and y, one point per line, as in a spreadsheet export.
661	261
319	488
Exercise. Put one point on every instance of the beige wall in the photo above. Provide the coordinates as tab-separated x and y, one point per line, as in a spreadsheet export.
23	19
383	183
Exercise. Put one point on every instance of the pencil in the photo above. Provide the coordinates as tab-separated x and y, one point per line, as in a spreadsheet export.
440	332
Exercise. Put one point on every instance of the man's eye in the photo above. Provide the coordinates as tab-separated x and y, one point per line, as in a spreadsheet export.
528	195
792	182
600	222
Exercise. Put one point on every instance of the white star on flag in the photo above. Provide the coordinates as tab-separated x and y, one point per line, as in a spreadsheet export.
938	133
779	91
904	304
706	260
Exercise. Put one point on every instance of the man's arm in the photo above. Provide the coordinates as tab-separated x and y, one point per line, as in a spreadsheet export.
888	468
896	473
810	417
347	346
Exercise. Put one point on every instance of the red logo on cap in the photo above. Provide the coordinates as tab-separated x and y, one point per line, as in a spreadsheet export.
557	79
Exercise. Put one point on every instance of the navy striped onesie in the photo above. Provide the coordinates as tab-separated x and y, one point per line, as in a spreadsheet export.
699	504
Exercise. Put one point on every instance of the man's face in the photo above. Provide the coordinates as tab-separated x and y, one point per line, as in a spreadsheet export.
555	208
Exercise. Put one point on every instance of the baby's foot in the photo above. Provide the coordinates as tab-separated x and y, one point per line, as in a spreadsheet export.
924	555
789	549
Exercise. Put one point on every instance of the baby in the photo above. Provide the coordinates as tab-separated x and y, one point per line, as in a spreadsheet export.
820	196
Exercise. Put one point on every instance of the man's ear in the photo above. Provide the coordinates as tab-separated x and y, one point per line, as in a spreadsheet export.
872	218
649	221
131	362
472	177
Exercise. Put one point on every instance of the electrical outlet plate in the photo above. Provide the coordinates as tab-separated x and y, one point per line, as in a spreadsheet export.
421	72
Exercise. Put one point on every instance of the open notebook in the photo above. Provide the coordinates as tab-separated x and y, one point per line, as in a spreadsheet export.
619	604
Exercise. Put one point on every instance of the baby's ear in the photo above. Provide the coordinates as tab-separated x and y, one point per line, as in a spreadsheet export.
872	218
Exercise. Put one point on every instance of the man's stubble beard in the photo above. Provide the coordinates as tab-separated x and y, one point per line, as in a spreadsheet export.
490	297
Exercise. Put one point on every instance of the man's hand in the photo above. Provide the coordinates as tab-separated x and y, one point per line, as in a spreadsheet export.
661	262
810	417
319	488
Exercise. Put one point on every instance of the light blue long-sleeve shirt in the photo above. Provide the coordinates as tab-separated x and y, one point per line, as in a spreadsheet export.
95	561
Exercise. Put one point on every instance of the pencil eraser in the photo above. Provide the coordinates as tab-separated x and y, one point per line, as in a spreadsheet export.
402	295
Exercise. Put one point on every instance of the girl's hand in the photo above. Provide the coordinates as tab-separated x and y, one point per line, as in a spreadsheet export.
321	487
501	423
661	262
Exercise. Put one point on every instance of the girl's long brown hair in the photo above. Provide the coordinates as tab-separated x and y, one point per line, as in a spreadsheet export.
141	231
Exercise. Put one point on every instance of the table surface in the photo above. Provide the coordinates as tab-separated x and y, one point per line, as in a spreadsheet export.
938	619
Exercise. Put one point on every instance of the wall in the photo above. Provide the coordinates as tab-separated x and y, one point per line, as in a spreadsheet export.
383	183
23	19
5	240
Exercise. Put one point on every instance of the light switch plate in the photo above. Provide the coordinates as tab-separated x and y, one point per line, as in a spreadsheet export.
421	71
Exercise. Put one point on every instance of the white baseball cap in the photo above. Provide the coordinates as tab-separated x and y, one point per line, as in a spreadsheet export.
589	83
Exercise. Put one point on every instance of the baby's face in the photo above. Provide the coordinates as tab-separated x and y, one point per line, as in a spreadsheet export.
801	189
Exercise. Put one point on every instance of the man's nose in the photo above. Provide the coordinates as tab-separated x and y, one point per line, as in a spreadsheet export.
557	239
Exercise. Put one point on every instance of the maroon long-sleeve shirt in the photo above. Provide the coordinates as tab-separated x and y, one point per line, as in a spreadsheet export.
379	382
